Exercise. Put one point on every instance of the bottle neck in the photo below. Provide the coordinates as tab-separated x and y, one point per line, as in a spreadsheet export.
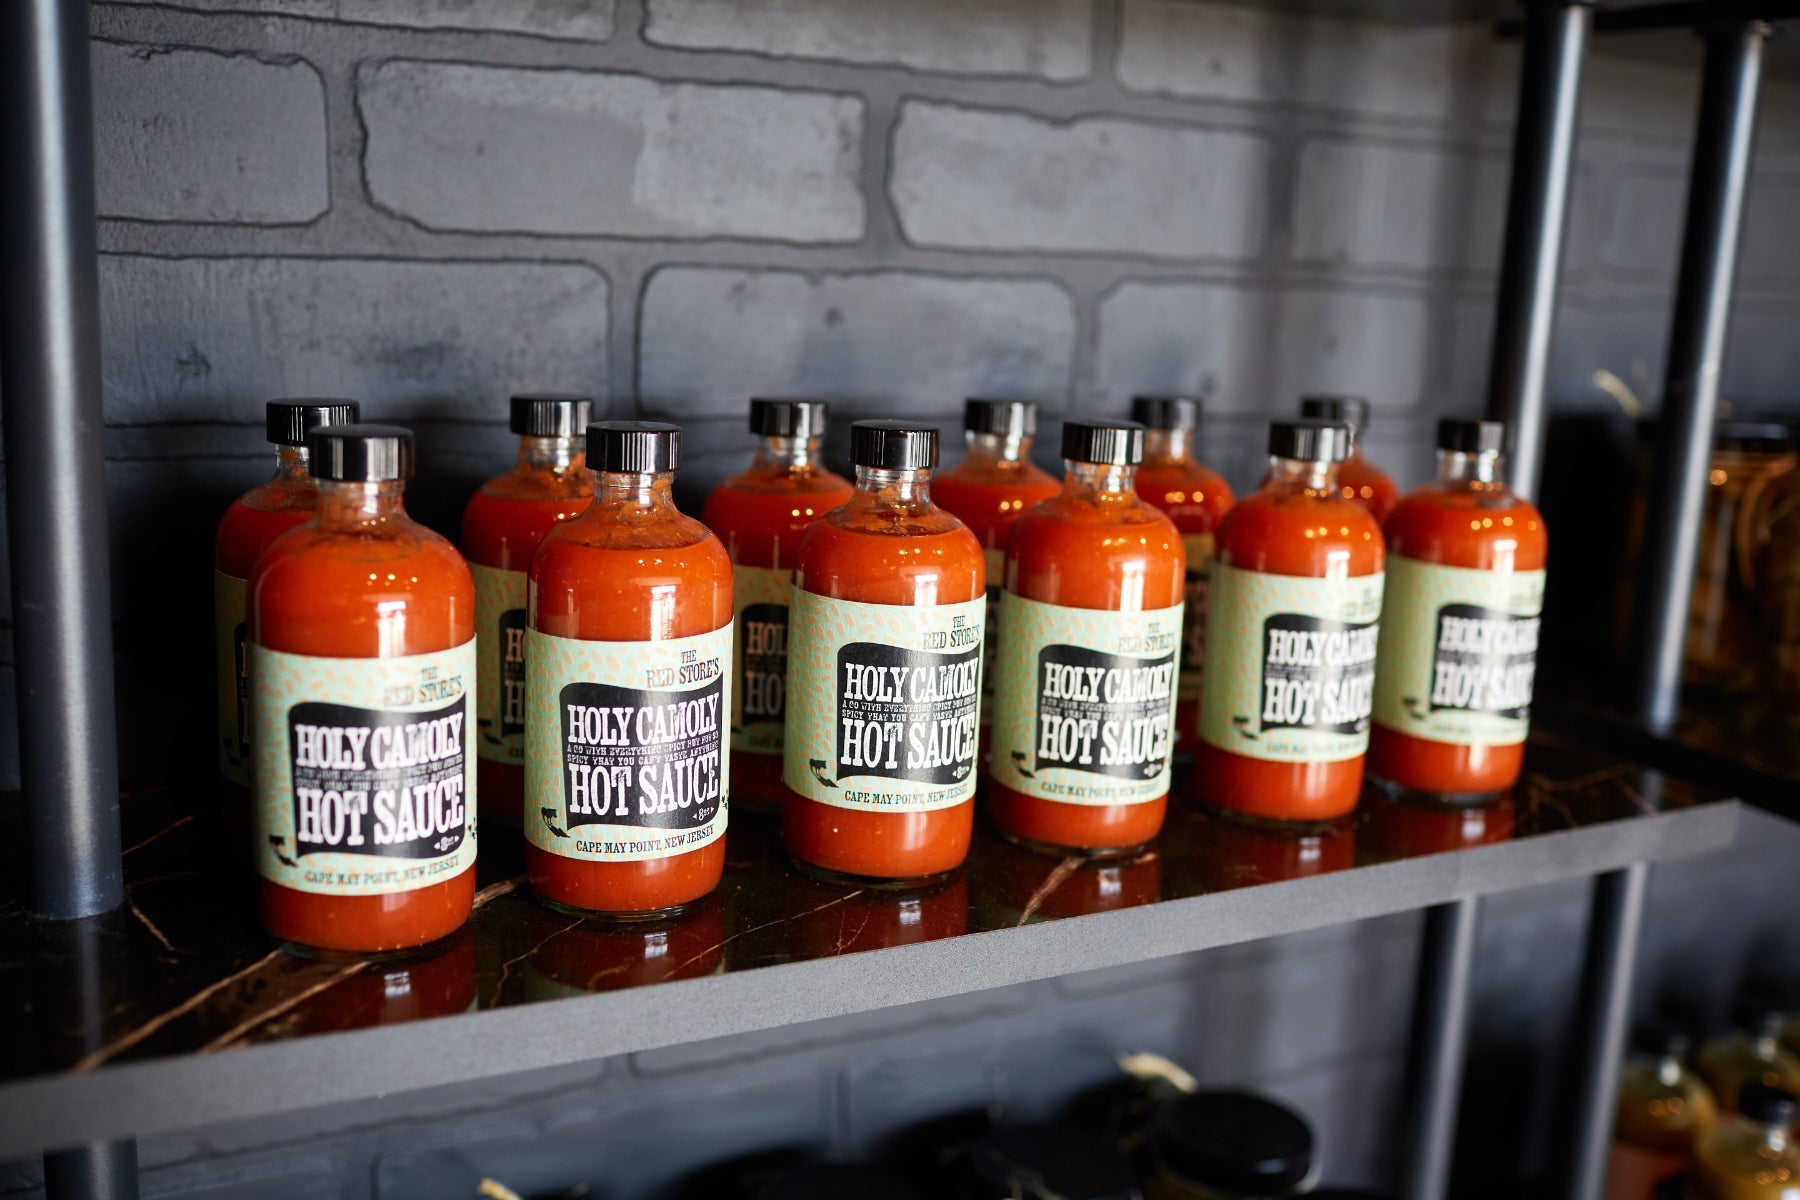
1459	470
554	454
888	488
993	449
778	454
347	507
625	494
1168	445
1295	476
1098	483
292	462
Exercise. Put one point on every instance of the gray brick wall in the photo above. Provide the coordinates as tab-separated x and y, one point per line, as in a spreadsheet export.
674	204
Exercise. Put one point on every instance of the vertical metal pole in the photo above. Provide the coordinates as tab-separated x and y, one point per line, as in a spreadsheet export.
1556	40
1440	1044
1612	946
1717	183
50	374
103	1171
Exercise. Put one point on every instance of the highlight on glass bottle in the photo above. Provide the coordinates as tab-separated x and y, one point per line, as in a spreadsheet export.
504	522
628	691
1459	627
1751	1156
759	514
1358	478
362	626
1196	498
1291	632
1085	687
884	673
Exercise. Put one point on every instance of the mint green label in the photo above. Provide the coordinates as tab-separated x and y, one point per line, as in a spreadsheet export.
365	783
231	666
1084	709
1458	652
759	658
882	702
625	745
1290	670
500	674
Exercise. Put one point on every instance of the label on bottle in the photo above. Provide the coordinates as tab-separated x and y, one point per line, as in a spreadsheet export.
1193	631
996	578
1086	710
231	647
364	780
500	598
1458	652
625	745
759	663
1290	672
882	703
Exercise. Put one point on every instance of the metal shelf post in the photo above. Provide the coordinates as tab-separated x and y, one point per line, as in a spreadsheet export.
1440	1046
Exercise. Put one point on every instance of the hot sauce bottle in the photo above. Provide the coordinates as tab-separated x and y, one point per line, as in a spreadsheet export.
760	515
628	688
1196	499
255	519
1090	628
362	627
501	529
1291	629
1358	478
988	491
884	673
1459	626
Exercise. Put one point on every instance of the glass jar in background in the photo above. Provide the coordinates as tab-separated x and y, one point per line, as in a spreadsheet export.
1751	1052
1664	1108
1752	1156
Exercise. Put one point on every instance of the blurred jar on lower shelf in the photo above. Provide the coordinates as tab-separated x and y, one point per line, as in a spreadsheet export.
1750	1052
1229	1146
1751	1156
1664	1108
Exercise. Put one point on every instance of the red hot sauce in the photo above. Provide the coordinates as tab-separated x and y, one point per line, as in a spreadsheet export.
501	529
1291	633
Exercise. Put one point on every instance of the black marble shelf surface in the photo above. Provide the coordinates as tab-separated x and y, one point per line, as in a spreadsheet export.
179	994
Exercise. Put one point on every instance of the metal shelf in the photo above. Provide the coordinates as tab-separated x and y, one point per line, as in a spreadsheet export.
130	1040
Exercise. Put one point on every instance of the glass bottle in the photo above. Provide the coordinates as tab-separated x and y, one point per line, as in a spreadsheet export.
1750	1052
988	491
1091	624
1663	1109
760	514
362	629
884	673
255	519
1751	1156
504	522
1196	498
628	668
1459	626
1358	478
1291	631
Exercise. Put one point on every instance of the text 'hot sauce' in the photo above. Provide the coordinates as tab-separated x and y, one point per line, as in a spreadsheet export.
1291	631
628	669
760	515
988	491
362	627
255	519
1358	478
1196	498
884	672
501	528
1459	626
1090	626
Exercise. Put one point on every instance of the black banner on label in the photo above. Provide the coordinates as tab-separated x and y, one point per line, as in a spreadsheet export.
1484	660
240	641
1317	673
510	646
371	781
1193	623
762	649
1103	713
641	758
907	714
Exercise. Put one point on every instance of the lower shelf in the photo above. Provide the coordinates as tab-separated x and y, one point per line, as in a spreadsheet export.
179	995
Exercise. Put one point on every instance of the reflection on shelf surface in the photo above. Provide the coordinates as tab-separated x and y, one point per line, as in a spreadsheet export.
184	968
